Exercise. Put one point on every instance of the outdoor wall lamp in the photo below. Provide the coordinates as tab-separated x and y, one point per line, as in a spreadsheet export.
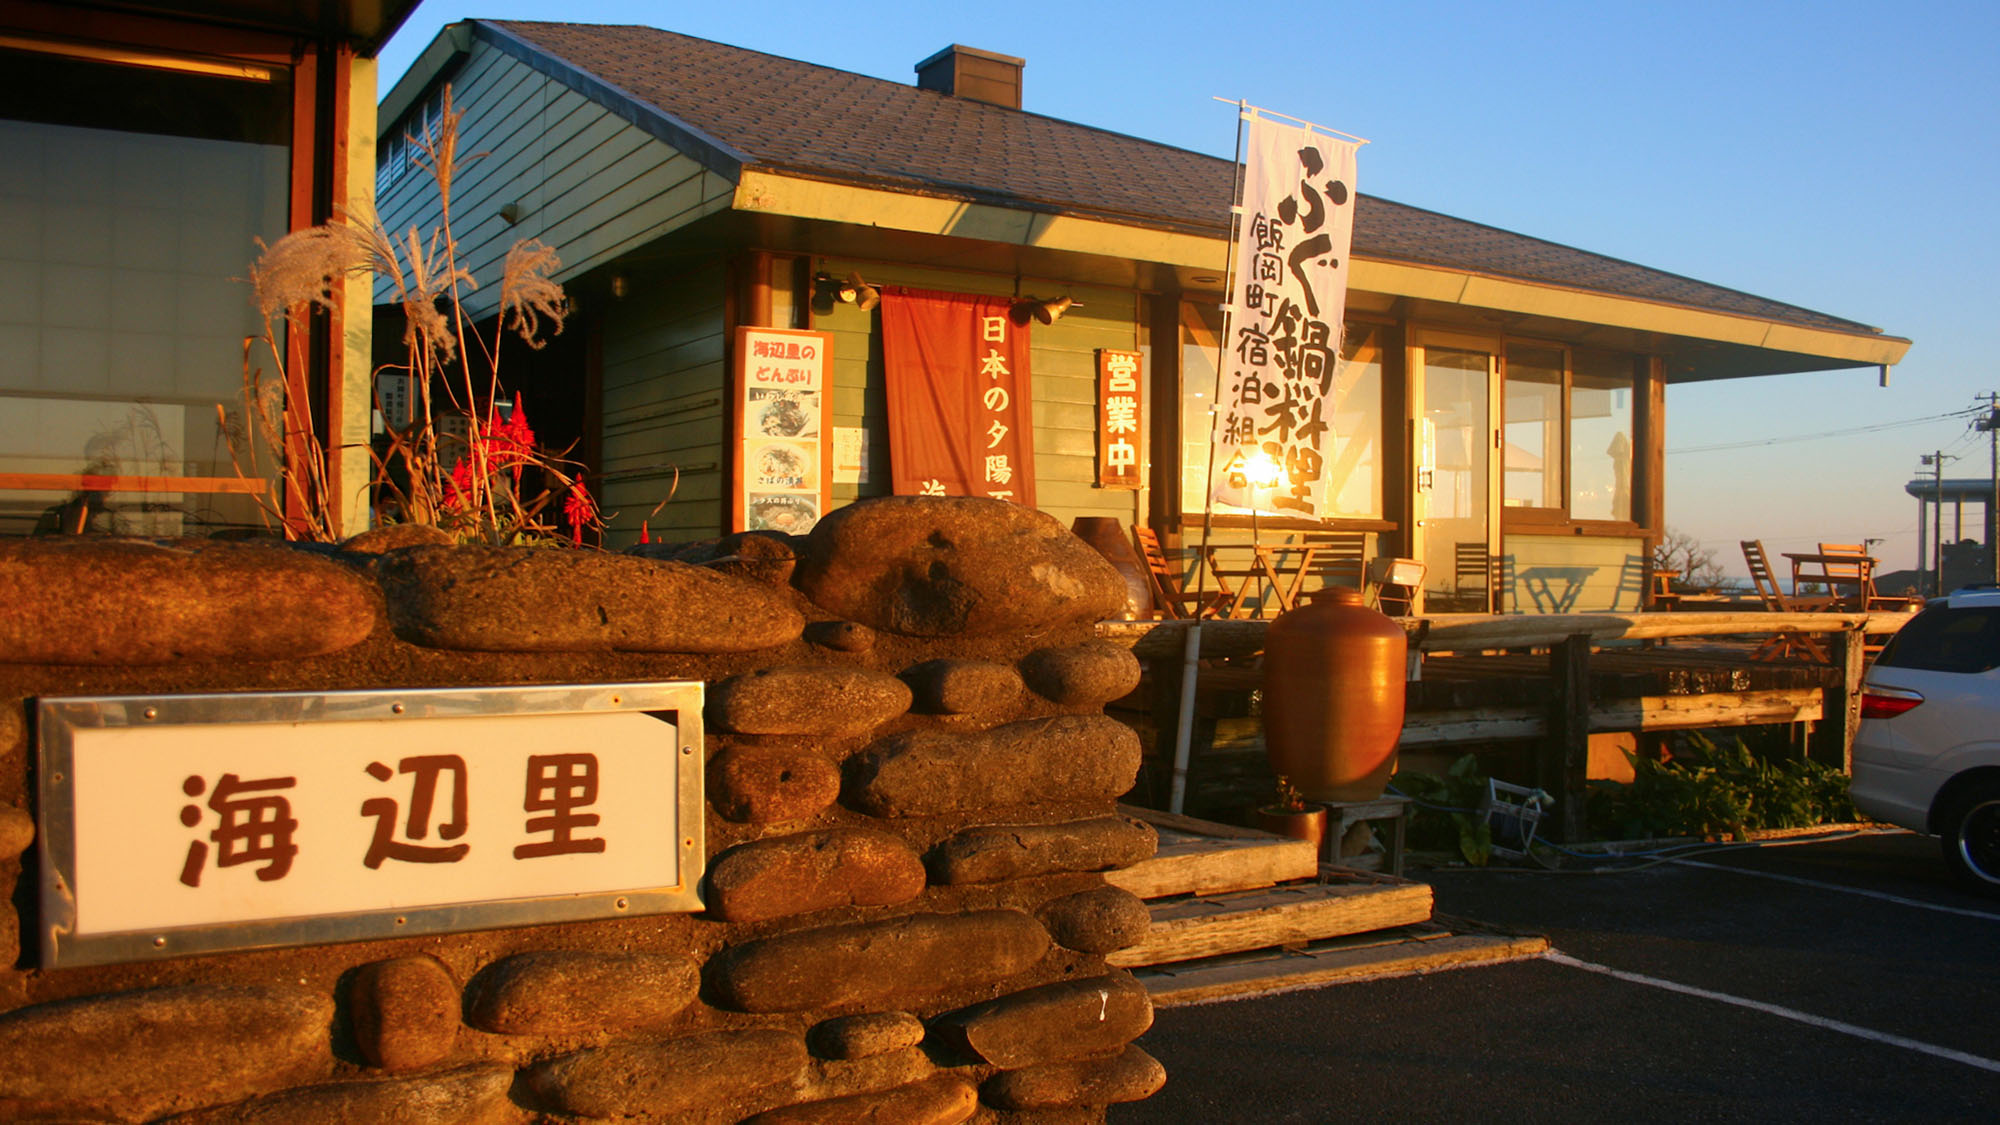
852	291
1048	312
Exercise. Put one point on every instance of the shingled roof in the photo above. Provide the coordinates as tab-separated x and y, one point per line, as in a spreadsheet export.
733	108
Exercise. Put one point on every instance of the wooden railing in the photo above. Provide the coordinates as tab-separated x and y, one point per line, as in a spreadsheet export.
95	482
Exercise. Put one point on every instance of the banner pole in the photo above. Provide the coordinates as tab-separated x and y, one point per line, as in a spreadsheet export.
1191	650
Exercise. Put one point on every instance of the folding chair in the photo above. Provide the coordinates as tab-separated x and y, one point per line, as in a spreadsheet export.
1777	644
1169	596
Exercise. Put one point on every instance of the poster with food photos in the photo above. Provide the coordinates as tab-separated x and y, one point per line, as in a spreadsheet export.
782	471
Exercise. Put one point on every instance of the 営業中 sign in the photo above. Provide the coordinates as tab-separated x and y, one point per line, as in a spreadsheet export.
183	824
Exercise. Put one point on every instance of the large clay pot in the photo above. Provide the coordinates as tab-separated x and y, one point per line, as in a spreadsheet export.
1333	696
1108	535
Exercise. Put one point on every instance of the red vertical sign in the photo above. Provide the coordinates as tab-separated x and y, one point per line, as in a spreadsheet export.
960	419
1118	412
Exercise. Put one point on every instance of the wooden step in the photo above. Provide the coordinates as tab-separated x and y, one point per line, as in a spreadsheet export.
1394	953
1295	913
1202	857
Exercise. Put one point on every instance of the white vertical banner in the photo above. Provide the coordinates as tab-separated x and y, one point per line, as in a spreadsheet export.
1272	441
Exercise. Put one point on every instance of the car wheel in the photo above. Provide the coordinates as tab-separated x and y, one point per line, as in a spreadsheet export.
1971	837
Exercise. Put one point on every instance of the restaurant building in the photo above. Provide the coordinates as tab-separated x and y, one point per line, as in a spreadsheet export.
1498	412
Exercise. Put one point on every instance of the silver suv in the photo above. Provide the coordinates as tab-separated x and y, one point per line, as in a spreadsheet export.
1927	756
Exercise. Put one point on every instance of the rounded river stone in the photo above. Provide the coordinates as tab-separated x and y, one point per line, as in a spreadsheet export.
786	875
17	831
405	1012
841	636
1128	1076
939	566
871	1033
675	1076
71	600
1055	1022
931	772
827	701
964	687
996	853
760	556
549	599
1092	673
1101	920
139	1055
874	963
389	537
576	992
944	1100
762	784
473	1095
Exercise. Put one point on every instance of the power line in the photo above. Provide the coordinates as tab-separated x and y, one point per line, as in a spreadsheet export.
1850	432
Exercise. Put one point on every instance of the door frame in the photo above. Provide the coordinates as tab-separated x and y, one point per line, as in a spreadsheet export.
1492	346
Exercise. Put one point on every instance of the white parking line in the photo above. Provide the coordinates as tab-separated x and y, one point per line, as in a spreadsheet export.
1897	899
1930	1049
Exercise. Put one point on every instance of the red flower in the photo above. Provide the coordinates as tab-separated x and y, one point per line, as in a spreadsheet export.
512	443
458	488
580	510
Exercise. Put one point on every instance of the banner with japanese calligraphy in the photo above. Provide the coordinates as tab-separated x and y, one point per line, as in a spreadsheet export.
197	823
784	451
960	419
1272	440
1119	411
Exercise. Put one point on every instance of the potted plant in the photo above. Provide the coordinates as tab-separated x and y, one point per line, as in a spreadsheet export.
1292	816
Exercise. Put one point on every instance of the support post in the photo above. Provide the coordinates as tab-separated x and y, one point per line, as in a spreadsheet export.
1840	701
1562	766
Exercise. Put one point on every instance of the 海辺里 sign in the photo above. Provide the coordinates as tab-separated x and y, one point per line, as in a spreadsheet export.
182	824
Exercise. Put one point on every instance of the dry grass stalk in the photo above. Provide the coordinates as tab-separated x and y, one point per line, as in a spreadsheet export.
471	486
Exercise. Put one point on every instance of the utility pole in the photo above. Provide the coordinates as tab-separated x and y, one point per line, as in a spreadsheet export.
1991	424
1936	462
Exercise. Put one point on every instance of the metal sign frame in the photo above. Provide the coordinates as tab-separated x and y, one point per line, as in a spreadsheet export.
61	720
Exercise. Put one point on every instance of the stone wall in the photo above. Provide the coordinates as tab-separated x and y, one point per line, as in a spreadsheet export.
910	788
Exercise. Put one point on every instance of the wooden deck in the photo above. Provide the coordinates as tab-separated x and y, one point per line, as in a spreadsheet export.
1559	680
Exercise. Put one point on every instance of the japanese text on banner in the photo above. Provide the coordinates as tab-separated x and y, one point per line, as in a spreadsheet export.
1272	441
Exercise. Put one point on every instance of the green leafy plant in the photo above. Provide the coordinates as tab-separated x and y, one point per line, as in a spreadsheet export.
461	465
1446	816
1715	789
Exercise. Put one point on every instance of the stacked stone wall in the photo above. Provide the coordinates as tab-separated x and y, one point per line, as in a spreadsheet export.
910	790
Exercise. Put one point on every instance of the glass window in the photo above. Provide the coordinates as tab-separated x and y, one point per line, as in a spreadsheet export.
130	202
1568	427
1534	428
1354	415
1600	437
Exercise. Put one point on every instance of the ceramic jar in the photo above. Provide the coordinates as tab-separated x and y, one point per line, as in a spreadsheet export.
1333	696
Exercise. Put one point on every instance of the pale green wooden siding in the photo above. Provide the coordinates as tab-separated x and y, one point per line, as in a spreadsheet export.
664	390
1611	573
1063	369
586	183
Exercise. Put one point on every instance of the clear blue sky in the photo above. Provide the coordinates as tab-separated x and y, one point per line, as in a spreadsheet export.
1837	155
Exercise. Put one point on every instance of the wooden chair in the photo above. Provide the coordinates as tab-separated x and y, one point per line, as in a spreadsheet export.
1778	644
1338	559
1169	596
1860	573
1470	570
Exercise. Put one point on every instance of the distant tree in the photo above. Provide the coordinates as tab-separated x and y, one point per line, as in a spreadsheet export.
1700	573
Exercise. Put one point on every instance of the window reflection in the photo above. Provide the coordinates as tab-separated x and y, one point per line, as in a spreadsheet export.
1354	404
130	202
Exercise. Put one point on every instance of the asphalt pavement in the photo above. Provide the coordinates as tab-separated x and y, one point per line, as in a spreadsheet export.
1831	980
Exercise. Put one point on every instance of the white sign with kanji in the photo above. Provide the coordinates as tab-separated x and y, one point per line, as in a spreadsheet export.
181	824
